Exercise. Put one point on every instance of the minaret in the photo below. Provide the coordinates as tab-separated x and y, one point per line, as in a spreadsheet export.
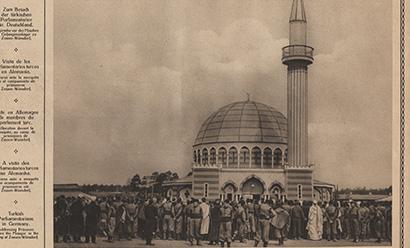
297	56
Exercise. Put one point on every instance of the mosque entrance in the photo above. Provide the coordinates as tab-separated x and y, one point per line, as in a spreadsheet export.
252	188
276	192
229	191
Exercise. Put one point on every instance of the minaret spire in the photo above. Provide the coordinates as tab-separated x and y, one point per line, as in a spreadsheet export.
298	11
297	24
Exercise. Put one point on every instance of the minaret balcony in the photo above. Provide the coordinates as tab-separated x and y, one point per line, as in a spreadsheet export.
309	166
294	53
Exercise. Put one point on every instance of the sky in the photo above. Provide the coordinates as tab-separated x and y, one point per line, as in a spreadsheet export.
134	80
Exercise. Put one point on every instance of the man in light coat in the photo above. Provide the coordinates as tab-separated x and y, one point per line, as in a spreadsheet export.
315	222
205	218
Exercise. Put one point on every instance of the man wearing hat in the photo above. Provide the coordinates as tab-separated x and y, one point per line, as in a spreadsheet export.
62	217
205	218
121	221
251	218
354	214
315	222
195	222
151	215
215	214
77	219
346	220
92	211
187	221
178	209
265	215
378	222
168	219
297	217
331	214
279	222
131	208
240	217
225	226
363	215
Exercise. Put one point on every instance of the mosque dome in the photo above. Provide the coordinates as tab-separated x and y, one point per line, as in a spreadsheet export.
244	122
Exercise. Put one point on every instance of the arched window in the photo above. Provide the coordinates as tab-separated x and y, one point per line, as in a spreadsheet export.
195	157
256	157
222	156
277	157
233	157
205	156
300	191
244	157
212	156
198	156
286	155
205	190
267	158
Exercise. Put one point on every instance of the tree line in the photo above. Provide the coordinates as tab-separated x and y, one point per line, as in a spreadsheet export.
134	183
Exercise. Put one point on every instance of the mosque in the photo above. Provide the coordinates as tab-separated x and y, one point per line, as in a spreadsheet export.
249	149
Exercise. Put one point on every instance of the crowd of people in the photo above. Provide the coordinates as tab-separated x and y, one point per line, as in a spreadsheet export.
79	219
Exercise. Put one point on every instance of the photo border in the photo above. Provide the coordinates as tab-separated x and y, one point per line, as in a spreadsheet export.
402	118
402	121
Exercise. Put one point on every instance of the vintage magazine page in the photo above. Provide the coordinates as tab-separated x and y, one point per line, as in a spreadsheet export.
215	123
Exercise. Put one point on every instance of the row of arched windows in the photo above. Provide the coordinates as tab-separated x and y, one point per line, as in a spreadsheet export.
244	158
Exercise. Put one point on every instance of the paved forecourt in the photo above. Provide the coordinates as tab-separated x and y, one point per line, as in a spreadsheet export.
173	243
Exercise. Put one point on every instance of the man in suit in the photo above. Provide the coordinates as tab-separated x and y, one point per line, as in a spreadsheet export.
151	216
297	217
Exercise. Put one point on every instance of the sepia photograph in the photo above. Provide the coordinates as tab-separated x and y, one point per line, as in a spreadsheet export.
223	123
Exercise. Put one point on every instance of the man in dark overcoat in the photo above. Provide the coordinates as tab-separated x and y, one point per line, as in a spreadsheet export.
214	225
151	216
92	211
77	220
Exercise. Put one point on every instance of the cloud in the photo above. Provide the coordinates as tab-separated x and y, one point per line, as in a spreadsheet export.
132	93
350	104
246	46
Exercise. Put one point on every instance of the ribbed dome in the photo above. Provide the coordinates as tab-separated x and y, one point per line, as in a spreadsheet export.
246	121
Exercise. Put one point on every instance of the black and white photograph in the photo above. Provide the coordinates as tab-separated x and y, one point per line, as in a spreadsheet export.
223	123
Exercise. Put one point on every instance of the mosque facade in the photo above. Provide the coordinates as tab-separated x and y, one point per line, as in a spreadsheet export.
249	149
